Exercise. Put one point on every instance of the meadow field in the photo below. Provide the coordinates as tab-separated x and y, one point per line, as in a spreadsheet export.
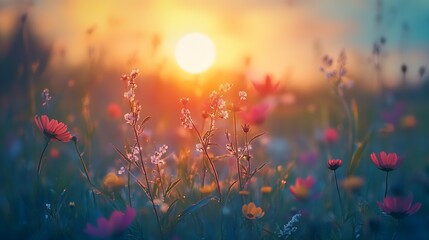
240	136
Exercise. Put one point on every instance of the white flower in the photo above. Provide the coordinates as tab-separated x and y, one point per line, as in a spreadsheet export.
223	114
156	158
199	147
242	95
129	95
121	171
221	103
225	87
129	118
289	228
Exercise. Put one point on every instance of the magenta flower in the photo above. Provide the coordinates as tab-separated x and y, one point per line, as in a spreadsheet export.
333	164
255	114
330	135
52	129
267	87
399	207
114	226
385	162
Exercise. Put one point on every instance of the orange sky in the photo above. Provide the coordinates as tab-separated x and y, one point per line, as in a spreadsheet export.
284	38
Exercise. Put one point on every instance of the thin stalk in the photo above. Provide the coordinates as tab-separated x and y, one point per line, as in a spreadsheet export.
387	178
351	131
160	180
204	176
206	153
147	180
83	163
129	183
237	158
247	155
339	196
41	157
85	169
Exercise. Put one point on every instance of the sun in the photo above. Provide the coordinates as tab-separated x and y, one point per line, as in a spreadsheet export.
195	52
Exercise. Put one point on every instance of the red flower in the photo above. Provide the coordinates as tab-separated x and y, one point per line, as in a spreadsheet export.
114	110
52	128
267	87
114	226
333	164
302	187
255	114
385	162
330	135
399	207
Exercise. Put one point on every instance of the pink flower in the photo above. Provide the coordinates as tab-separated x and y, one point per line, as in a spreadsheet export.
330	135
52	128
302	187
267	87
399	207
255	114
385	162
114	226
333	164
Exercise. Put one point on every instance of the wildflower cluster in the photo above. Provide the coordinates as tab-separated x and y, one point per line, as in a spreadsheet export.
135	107
134	154
156	158
289	228
218	103
46	97
336	74
186	114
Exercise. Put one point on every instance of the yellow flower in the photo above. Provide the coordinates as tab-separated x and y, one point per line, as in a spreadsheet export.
409	121
208	188
251	212
266	189
243	192
352	183
112	181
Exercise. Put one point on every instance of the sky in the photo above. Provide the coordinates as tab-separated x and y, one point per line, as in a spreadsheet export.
283	38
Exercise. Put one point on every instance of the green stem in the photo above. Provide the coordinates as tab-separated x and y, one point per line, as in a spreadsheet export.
339	195
236	151
160	180
351	130
83	163
206	153
39	166
387	178
147	180
129	183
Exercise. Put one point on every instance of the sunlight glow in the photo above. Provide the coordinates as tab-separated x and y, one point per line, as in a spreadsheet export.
195	52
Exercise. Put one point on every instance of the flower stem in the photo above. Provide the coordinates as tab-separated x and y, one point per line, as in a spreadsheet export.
160	180
210	161
339	195
236	151
83	163
349	116
149	191
387	178
41	157
129	183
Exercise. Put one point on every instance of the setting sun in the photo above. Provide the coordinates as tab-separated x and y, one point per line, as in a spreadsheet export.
195	52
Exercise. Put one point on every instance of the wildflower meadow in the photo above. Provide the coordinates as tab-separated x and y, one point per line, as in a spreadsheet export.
165	120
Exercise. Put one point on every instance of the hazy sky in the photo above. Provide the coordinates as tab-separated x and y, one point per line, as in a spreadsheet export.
284	38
